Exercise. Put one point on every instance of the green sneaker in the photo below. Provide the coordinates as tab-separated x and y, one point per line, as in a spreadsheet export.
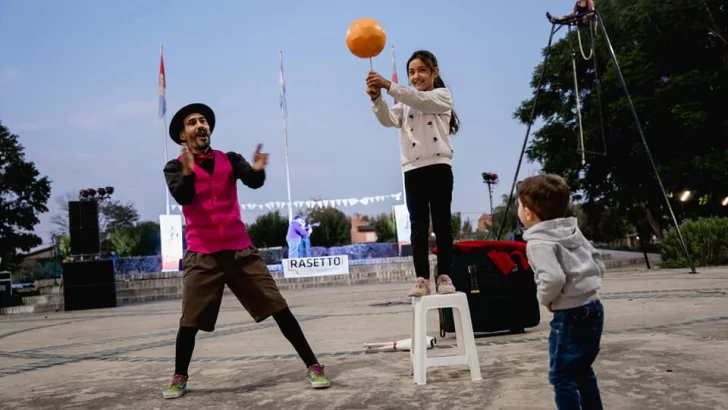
178	387
316	377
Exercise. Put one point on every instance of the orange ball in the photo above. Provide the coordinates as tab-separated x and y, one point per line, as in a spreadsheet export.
366	38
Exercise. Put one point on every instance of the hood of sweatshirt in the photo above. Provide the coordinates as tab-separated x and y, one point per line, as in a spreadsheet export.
564	231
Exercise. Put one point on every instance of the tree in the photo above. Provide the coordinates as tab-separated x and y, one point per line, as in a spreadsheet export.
335	229
499	215
456	222
113	214
384	225
269	230
23	196
673	61
142	239
467	226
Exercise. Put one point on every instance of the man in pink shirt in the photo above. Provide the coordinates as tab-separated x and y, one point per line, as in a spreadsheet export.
219	251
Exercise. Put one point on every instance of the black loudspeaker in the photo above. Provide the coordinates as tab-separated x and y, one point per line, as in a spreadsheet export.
83	223
89	285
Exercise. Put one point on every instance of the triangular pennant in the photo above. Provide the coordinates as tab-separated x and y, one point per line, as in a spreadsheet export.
326	203
353	201
269	205
338	202
397	196
298	204
320	204
309	204
365	200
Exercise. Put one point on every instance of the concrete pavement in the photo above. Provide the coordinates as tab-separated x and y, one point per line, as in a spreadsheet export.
665	347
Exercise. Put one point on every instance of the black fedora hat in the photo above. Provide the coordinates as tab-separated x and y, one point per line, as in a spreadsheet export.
177	124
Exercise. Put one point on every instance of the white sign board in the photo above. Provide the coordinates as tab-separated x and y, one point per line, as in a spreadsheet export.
170	227
319	266
401	216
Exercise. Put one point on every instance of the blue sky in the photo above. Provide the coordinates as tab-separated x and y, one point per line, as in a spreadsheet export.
78	81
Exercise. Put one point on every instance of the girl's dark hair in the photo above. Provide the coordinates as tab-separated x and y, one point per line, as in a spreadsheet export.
431	62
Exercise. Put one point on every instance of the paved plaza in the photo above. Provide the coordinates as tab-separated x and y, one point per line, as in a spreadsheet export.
665	347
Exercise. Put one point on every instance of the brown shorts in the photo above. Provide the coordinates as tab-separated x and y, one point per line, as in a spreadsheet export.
245	273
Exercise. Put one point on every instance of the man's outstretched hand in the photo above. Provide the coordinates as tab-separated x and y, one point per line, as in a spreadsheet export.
260	160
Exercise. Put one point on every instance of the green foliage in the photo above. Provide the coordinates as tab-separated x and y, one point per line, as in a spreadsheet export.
113	215
335	229
673	59
386	231
141	239
64	245
499	213
706	239
467	227
39	270
23	196
269	230
456	223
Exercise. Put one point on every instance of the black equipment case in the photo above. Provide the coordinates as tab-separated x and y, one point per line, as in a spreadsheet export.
499	285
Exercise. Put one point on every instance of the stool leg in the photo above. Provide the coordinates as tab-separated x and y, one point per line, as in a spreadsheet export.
412	338
418	346
469	345
458	321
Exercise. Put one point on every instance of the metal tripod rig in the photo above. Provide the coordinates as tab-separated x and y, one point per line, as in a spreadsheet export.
556	26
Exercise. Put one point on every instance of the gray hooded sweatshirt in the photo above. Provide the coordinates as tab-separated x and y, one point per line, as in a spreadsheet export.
567	269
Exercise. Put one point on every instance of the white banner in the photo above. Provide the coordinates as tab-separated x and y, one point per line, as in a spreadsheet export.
401	216
170	227
320	266
367	200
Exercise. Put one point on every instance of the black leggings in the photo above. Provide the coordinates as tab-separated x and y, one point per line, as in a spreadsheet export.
429	193
286	322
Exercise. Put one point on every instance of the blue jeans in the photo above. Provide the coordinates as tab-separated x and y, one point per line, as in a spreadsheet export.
293	244
573	347
304	250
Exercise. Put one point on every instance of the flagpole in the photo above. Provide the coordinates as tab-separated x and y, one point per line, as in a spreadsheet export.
163	88
396	79
285	137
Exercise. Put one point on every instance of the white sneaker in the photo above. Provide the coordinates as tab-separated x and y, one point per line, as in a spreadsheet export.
444	285
420	288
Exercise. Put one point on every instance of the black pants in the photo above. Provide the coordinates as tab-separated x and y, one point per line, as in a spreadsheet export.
429	193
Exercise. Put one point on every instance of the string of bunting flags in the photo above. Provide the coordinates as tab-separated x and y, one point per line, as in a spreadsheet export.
367	200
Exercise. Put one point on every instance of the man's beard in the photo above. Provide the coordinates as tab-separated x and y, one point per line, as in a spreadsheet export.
202	145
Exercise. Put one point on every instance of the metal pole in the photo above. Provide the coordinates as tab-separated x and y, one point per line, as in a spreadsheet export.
164	132
576	95
644	142
285	141
166	157
528	130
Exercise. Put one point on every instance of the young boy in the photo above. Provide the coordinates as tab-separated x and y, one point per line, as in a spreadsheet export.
568	272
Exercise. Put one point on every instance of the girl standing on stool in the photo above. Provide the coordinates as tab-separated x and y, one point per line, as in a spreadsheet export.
426	121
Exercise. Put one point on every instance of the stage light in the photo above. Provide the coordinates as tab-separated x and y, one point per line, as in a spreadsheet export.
725	201
91	192
101	191
489	177
685	196
109	190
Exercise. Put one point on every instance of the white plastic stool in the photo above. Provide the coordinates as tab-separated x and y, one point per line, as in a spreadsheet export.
465	354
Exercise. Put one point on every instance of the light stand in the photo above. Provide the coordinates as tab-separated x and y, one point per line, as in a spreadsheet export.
492	180
570	21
